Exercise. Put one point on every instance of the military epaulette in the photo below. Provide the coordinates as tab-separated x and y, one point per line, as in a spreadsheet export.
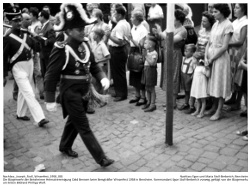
60	44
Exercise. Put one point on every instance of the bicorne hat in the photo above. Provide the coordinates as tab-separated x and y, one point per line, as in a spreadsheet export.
12	12
72	15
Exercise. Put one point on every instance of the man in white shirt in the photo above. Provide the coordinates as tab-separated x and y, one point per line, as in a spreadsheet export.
155	15
118	42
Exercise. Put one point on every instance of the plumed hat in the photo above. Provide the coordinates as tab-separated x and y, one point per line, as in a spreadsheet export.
12	12
72	15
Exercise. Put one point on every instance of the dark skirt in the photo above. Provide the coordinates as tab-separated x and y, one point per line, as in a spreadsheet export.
135	80
149	76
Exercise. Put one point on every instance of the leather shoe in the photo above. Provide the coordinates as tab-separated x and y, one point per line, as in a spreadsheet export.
106	162
145	106
180	96
117	99
136	99
69	152
90	110
190	110
184	107
141	102
243	114
43	122
151	108
24	118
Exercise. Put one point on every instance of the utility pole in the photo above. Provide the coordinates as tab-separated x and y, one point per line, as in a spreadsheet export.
168	71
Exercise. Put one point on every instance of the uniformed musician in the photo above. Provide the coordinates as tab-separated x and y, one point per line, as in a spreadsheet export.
18	46
71	62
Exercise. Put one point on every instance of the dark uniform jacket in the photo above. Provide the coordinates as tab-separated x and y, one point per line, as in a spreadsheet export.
74	68
11	46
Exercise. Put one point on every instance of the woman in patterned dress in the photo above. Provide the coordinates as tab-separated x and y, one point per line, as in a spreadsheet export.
216	56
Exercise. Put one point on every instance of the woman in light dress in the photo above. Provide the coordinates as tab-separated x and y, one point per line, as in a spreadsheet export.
217	57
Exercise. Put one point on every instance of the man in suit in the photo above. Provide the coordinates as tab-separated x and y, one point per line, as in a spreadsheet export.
47	39
72	61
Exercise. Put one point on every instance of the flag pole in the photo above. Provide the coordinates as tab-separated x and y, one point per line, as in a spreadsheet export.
168	71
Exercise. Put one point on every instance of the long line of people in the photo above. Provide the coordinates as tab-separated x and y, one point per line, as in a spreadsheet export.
216	63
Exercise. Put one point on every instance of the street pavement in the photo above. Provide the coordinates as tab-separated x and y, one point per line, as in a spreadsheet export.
133	138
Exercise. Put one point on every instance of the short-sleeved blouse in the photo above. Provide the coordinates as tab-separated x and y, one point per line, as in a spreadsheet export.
219	30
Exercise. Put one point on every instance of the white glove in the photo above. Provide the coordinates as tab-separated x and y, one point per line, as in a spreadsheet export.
51	107
105	83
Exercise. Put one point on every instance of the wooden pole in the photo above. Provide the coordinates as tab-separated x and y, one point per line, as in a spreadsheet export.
168	71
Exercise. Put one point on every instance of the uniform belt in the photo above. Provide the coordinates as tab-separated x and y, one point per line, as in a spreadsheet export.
73	77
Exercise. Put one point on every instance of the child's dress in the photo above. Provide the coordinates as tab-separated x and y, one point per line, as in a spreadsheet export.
200	82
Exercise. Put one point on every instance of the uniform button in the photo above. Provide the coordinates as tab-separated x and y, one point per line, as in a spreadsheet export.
77	64
77	71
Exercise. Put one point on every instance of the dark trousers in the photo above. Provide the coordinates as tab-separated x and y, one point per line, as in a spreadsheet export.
78	123
44	61
118	61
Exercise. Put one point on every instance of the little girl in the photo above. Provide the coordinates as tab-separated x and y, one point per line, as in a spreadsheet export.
149	74
199	87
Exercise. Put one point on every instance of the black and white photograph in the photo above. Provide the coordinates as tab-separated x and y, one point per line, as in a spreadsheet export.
93	92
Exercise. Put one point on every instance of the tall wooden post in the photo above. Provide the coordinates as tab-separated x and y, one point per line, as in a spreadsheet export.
168	71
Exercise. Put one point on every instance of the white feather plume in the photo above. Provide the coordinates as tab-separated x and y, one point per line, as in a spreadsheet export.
79	8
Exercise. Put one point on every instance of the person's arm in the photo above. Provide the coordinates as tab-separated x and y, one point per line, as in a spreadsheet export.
158	32
221	50
152	59
51	38
114	39
242	39
53	72
103	59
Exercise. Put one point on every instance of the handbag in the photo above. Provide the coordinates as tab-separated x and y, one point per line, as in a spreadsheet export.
135	60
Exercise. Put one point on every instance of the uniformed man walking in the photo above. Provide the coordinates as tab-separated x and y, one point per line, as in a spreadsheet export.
72	61
18	47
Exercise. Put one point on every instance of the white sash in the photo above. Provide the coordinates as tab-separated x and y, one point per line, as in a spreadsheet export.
23	44
69	50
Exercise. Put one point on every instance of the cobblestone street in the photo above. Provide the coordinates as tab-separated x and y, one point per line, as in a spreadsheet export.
133	138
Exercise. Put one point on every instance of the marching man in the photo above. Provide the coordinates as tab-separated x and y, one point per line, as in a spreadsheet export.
72	62
18	47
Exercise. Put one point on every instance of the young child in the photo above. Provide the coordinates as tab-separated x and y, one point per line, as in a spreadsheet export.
101	55
187	69
149	74
199	87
